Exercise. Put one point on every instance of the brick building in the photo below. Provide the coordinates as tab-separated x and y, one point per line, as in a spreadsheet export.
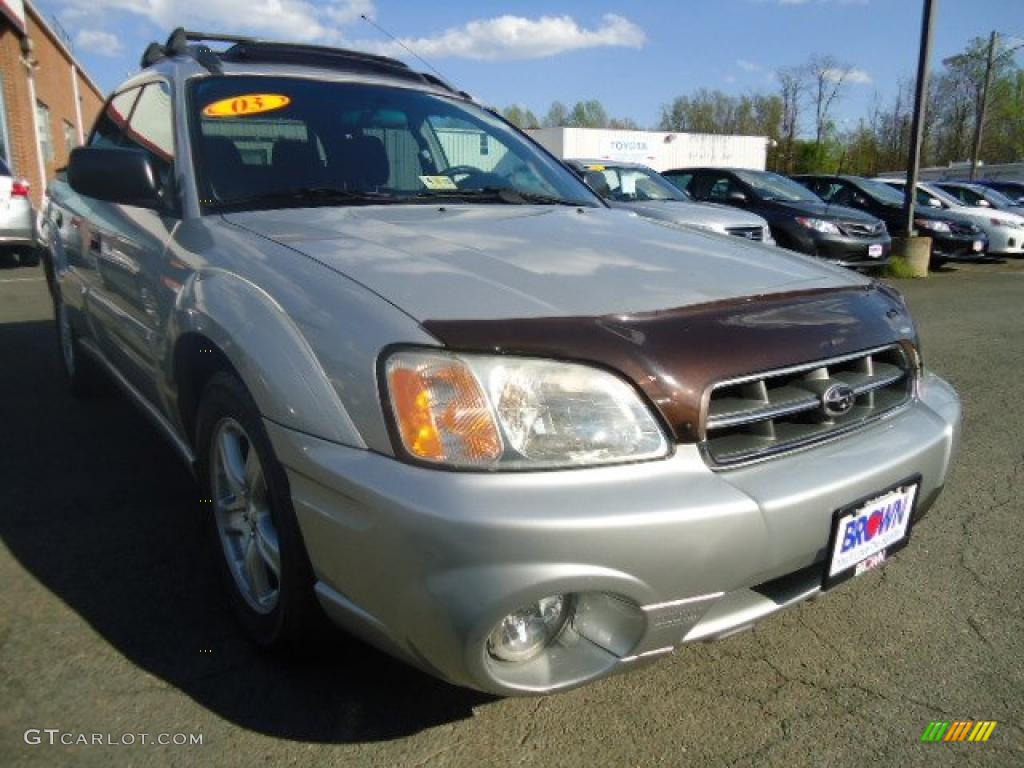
47	102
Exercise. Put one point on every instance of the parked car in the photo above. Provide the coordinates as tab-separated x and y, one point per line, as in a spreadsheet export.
1005	231
1012	189
798	218
952	236
516	438
17	218
980	196
644	191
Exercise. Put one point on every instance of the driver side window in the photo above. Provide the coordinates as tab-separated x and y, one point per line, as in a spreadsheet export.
720	187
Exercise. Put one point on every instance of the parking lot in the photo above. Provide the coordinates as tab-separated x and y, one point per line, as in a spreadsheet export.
112	621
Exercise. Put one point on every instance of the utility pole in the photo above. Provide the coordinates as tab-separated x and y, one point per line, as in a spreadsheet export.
917	126
979	122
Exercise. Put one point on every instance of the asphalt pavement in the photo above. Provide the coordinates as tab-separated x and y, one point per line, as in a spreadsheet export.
112	622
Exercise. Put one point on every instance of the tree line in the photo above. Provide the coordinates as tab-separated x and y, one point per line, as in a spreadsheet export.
797	115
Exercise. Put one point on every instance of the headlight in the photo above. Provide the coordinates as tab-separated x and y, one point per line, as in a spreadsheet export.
931	225
819	225
504	412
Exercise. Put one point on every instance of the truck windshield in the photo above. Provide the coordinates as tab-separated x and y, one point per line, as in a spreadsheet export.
269	142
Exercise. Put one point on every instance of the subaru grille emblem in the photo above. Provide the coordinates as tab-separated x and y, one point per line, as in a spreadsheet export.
838	400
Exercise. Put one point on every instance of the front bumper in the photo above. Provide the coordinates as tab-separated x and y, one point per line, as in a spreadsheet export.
844	250
1004	240
964	247
424	563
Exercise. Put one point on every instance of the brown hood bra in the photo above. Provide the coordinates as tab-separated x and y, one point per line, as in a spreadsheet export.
674	356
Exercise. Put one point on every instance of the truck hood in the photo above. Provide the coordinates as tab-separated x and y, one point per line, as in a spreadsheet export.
482	262
706	215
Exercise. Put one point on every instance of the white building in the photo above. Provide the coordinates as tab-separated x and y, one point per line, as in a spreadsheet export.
961	171
657	149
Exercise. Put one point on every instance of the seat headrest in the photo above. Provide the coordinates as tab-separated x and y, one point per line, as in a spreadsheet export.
294	153
363	162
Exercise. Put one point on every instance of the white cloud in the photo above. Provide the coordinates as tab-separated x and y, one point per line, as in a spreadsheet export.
748	66
279	19
502	37
852	75
516	37
98	42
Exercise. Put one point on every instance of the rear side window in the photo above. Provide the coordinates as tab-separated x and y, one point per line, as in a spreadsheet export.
4	170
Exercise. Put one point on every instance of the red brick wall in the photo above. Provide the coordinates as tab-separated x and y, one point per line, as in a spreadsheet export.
53	87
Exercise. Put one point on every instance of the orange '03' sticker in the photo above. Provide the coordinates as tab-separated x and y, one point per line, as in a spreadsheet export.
246	104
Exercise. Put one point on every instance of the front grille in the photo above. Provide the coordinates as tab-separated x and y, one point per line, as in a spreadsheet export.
751	233
768	413
963	229
862	229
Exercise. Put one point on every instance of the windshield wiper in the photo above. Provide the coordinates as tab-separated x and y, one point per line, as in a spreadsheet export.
302	196
508	195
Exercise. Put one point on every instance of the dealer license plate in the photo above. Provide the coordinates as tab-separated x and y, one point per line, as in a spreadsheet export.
874	251
866	533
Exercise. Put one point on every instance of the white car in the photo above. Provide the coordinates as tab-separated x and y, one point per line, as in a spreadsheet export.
1005	230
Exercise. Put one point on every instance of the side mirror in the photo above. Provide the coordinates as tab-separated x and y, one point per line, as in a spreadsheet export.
983	203
124	176
736	197
934	202
597	182
860	201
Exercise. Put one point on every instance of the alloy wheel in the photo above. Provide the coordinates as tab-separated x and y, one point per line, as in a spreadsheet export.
245	526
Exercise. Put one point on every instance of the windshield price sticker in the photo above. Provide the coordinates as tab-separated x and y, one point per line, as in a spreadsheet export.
438	182
246	104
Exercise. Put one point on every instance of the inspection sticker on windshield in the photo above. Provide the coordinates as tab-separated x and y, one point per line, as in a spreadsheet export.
246	104
865	534
438	182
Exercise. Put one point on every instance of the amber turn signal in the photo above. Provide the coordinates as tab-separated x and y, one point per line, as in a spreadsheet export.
441	411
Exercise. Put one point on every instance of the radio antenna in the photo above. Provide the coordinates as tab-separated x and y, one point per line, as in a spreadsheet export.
398	42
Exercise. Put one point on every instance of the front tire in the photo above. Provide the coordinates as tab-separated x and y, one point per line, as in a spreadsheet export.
257	540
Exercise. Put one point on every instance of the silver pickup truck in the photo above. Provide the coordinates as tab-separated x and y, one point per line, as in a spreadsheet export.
449	399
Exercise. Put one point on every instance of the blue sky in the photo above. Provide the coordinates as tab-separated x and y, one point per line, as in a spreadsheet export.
633	56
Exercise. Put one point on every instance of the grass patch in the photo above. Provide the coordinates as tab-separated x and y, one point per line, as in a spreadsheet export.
899	269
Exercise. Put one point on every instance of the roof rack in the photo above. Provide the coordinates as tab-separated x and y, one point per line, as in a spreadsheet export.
249	49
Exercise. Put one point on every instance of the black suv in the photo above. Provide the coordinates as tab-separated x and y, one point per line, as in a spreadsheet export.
799	219
952	236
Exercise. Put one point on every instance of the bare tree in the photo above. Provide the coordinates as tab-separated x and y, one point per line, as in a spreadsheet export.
793	87
827	77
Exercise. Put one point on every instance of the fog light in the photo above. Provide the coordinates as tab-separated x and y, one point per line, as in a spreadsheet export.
525	633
